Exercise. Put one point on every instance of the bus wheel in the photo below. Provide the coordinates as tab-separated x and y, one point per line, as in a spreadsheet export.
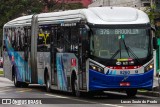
47	83
16	83
74	85
131	93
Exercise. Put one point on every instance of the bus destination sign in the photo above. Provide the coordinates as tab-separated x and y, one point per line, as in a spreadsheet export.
116	31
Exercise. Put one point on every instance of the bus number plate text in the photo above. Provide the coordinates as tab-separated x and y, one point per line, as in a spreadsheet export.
124	72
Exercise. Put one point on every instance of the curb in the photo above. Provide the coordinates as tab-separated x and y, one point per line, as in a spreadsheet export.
150	93
154	93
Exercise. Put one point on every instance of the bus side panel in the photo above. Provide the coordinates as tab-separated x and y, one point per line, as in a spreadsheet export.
11	58
7	66
43	61
20	63
64	70
20	66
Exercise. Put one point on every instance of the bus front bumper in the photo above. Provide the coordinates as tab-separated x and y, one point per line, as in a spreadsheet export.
99	81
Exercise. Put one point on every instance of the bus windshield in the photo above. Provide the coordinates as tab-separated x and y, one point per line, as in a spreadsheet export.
119	43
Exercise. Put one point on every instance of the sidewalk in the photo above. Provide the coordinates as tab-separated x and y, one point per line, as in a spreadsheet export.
155	91
4	82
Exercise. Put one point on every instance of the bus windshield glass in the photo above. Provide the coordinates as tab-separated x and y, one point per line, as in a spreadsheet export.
119	43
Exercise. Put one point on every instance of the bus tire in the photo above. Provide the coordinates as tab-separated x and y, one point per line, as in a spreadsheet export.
74	85
16	83
131	93
48	89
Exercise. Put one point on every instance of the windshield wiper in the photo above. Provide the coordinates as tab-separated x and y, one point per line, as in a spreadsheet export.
128	50
133	54
115	54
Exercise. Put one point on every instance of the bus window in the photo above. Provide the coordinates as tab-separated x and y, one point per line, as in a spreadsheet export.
21	38
74	38
67	38
43	39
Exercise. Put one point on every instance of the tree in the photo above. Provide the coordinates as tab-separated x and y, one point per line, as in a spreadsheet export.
10	9
153	15
73	6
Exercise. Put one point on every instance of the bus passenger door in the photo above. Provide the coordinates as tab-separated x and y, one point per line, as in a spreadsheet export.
83	55
26	53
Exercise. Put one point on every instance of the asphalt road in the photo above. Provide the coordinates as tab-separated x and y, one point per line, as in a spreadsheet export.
36	94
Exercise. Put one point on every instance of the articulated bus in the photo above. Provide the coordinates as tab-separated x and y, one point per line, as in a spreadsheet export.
85	50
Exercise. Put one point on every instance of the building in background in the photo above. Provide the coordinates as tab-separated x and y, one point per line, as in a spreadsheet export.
61	5
140	4
85	3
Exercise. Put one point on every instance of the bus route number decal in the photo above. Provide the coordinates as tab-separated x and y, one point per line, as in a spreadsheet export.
124	72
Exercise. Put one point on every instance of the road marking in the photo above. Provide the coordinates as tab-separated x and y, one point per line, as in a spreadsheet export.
19	89
5	90
25	90
112	105
56	96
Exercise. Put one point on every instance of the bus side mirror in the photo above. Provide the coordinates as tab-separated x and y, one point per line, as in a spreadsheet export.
155	43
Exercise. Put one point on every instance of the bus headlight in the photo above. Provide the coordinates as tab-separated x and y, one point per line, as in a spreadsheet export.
96	68
149	67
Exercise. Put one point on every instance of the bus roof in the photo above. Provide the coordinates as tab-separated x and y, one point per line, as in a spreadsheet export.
93	15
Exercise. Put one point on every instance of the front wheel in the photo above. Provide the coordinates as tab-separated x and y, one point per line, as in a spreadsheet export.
75	90
131	93
48	89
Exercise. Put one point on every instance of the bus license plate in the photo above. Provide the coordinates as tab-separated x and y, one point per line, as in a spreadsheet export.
124	72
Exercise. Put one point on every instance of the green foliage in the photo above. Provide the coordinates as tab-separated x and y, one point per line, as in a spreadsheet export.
73	6
153	14
10	9
64	6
